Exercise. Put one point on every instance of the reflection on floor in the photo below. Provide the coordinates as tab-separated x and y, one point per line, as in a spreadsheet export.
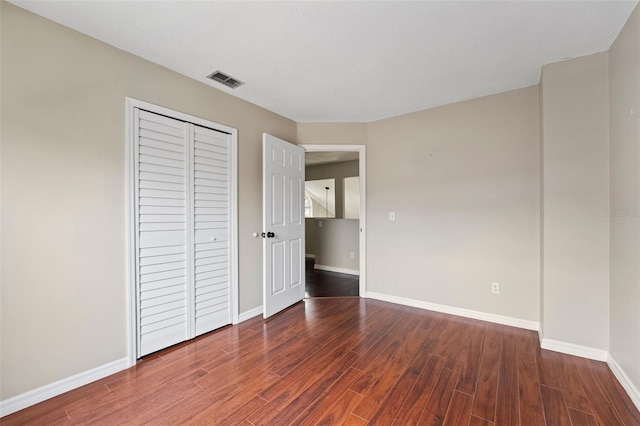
329	284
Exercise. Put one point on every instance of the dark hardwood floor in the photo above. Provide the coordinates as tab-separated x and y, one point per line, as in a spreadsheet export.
350	361
329	284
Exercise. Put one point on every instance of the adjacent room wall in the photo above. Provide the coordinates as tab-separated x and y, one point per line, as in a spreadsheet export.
576	199
64	294
328	171
463	181
335	241
337	171
624	207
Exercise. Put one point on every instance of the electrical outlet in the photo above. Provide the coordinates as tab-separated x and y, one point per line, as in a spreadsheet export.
352	255
319	224
495	288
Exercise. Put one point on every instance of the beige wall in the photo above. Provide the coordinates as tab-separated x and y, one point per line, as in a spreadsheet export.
463	180
332	133
63	202
624	134
576	199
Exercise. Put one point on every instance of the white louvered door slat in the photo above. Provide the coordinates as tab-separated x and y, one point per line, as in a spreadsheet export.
212	269
161	193
183	230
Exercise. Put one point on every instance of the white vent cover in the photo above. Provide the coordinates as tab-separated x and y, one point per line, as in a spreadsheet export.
225	79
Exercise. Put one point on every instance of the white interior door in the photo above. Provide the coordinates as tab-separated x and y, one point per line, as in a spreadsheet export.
162	246
283	224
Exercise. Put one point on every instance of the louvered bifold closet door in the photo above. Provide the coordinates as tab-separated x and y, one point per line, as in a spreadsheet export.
163	241
211	203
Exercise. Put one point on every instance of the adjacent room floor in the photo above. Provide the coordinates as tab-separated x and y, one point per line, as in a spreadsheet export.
329	284
350	361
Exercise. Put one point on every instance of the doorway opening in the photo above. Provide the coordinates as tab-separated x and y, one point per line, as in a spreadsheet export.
334	205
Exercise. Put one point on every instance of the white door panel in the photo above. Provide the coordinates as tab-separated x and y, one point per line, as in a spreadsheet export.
283	221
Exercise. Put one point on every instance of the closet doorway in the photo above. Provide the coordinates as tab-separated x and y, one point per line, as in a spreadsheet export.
182	197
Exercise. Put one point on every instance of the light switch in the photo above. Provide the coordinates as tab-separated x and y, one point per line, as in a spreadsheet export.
392	216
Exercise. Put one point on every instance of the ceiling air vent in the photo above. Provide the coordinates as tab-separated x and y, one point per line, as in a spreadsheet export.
223	78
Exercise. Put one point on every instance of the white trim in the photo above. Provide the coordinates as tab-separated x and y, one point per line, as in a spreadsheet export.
336	269
624	380
362	163
129	205
45	392
461	312
233	217
249	314
310	256
573	349
130	105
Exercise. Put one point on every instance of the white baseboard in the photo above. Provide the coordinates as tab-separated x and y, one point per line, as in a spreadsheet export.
310	256
334	269
624	380
250	314
461	312
573	349
35	396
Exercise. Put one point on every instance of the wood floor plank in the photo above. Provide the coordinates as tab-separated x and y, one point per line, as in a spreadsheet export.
217	401
484	404
458	349
323	406
379	354
459	412
547	368
603	410
293	391
334	381
477	421
580	418
395	397
438	403
43	417
238	415
325	355
524	343
417	399
353	420
140	408
471	363
384	379
569	382
531	411
507	406
555	408
299	367
616	394
340	411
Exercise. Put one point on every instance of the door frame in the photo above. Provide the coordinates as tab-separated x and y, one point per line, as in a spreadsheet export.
362	163
130	144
